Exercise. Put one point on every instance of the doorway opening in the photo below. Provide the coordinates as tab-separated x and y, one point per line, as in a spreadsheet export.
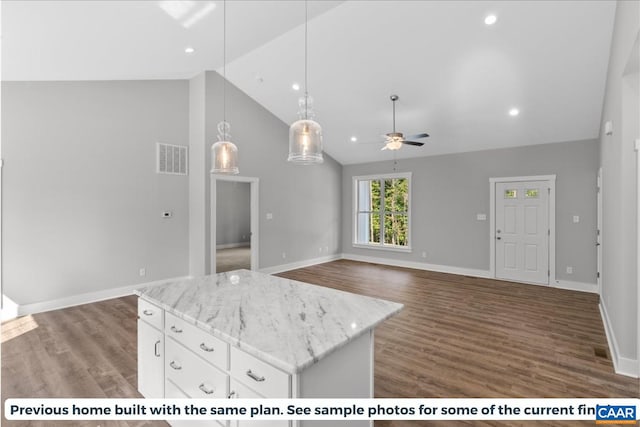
234	223
522	229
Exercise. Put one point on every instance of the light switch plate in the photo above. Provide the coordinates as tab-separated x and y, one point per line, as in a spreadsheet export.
481	217
269	215
576	219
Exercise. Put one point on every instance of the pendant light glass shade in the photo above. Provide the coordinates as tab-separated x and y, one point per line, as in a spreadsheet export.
224	153
305	136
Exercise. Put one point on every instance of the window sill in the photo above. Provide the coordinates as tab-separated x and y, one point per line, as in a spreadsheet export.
383	248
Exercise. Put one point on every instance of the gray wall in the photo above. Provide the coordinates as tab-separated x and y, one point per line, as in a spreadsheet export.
233	213
619	280
304	200
449	190
81	200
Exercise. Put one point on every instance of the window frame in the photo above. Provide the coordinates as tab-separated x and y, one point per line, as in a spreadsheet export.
355	195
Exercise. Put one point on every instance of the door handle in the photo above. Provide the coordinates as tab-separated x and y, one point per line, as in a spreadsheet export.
156	349
597	244
498	238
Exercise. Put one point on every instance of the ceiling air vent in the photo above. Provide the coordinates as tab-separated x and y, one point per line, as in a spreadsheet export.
172	159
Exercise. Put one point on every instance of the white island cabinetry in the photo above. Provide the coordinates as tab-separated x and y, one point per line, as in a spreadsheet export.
244	334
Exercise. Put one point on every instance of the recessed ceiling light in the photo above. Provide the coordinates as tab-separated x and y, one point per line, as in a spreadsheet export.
189	50
354	139
490	19
295	86
514	112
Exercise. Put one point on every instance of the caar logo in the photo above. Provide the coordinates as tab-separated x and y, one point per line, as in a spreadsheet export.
610	414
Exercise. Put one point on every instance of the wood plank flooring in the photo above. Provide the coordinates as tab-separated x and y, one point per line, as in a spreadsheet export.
457	337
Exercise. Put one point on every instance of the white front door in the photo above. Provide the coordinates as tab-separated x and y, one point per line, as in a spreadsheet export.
522	231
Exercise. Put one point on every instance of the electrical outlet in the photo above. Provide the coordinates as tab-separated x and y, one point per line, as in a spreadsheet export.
424	254
320	249
284	255
142	272
569	270
269	215
576	219
326	249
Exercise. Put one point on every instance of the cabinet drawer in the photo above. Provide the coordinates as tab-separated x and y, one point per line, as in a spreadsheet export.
151	313
173	392
195	339
240	391
195	377
261	377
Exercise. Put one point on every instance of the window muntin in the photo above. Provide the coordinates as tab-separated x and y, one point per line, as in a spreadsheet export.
382	211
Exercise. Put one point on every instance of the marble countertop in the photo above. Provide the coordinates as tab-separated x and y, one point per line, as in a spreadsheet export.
286	323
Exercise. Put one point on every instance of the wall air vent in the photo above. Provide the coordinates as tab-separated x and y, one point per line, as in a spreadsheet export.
172	159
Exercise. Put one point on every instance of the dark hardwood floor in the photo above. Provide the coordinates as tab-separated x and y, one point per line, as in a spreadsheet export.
456	337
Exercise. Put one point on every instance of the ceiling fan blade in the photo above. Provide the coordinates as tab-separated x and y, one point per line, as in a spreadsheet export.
418	144
418	136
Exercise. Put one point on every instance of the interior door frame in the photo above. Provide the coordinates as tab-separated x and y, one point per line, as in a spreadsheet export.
551	180
599	231
255	217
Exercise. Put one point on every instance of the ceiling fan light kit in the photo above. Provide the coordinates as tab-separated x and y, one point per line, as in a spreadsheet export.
395	140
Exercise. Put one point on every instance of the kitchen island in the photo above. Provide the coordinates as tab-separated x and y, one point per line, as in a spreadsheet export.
252	335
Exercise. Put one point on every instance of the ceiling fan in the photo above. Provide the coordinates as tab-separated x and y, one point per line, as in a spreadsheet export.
394	140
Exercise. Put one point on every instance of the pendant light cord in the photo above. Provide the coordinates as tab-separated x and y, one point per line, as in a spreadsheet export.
306	60
224	62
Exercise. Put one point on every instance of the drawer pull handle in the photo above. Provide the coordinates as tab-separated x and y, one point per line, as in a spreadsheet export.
230	395
176	330
203	347
157	348
175	366
254	376
205	389
147	312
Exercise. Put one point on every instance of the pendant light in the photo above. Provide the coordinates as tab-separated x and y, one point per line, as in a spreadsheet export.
224	153
305	135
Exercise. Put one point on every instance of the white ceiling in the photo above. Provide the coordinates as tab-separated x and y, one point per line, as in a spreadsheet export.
456	77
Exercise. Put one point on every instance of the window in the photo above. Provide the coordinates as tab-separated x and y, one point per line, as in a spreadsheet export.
382	214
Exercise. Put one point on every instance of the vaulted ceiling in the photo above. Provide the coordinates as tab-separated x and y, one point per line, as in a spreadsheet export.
457	77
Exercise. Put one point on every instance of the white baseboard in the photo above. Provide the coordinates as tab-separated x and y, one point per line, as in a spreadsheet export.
576	286
419	265
39	307
299	264
233	245
9	309
622	365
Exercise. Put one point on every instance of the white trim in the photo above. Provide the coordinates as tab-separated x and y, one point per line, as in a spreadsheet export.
354	212
551	179
576	286
389	248
621	365
599	217
9	309
419	265
299	264
233	245
637	147
89	297
255	218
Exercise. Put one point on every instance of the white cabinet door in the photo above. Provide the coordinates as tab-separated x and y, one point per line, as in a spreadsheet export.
240	391
150	361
